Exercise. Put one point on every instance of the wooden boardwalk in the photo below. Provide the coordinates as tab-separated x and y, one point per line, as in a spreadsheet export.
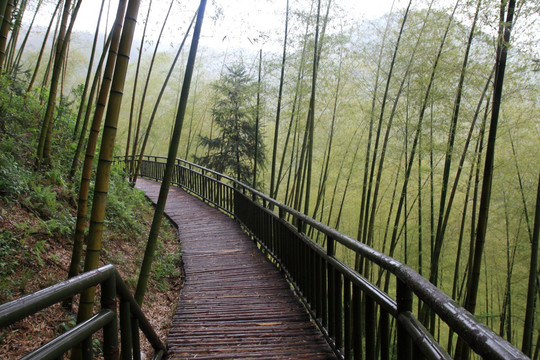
234	304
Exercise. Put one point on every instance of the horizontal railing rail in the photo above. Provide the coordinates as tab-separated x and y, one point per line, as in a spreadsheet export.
112	287
354	314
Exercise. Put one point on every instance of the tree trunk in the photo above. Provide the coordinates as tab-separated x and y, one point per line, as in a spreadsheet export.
347	182
533	276
86	175
295	105
278	111
12	44
193	128
143	96
135	169
326	163
88	112
43	151
89	73
307	149
257	119
4	31
171	160
371	223
50	62
97	219
441	223
474	167
59	51
311	113
42	50
133	99
366	219
505	318
472	288
3	6
363	202
25	40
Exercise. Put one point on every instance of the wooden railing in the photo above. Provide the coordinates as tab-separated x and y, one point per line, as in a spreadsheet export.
355	315
112	288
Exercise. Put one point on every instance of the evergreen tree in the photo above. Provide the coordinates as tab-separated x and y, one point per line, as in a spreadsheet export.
232	150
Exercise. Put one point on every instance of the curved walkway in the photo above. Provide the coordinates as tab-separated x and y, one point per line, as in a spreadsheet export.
234	304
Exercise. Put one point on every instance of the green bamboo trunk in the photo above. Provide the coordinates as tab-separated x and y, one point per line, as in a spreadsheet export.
3	5
273	191
105	156
57	71
6	8
88	73
133	99
41	51
171	159
15	31
92	141
93	89
18	57
533	278
485	197
135	172
62	69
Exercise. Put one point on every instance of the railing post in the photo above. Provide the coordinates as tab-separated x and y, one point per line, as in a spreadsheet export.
110	331
347	318
319	292
203	187
230	200
300	226
404	304
357	322
87	353
370	329
280	238
125	329
219	192
338	302
135	339
331	289
384	332
330	246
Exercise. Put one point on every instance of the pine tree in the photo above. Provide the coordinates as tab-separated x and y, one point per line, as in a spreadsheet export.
232	151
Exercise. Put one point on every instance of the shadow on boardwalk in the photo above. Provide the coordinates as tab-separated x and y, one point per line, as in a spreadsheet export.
234	303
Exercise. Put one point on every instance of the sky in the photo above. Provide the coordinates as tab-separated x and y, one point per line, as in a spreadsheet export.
239	19
263	12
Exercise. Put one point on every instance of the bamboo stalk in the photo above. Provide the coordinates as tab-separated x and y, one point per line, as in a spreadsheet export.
171	160
97	219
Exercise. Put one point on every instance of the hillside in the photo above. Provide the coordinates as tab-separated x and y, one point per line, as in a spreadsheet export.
37	215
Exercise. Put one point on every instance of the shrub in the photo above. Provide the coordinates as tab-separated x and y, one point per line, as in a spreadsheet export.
123	204
9	248
13	177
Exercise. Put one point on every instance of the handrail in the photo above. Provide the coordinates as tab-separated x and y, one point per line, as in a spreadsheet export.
112	287
340	300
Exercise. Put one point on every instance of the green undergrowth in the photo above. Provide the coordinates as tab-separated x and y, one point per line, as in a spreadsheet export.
38	203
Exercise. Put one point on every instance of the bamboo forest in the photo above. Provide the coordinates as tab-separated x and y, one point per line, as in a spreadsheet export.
383	157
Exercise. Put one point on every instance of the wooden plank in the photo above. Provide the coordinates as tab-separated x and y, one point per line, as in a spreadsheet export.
234	304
